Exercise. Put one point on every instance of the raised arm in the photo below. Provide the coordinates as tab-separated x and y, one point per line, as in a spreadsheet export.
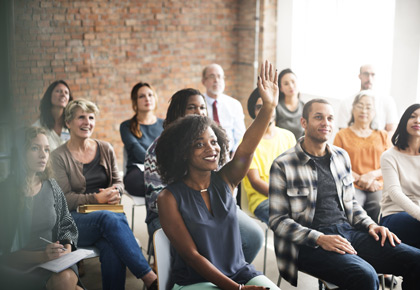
234	171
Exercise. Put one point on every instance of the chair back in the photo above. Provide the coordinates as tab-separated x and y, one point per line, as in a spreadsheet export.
244	202
162	258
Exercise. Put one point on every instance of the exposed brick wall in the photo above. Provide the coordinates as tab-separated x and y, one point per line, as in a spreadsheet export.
102	48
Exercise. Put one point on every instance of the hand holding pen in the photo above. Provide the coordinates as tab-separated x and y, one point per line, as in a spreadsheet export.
54	250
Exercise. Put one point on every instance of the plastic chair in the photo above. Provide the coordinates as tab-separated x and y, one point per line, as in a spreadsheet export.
245	208
162	258
136	200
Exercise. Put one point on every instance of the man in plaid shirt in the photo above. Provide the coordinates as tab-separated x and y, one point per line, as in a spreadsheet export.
318	226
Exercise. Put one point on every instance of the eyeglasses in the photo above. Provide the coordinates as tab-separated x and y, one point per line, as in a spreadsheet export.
363	108
215	77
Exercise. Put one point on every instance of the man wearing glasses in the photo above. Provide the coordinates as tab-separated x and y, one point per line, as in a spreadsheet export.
222	108
386	111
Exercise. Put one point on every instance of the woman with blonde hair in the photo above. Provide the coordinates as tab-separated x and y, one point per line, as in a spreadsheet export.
138	133
87	172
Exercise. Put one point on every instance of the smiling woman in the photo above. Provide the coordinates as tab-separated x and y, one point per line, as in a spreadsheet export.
52	106
197	210
87	172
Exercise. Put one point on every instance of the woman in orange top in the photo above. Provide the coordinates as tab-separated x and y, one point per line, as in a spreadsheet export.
365	145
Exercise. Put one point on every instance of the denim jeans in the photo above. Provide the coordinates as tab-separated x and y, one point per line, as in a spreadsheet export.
404	226
252	235
261	211
359	272
110	233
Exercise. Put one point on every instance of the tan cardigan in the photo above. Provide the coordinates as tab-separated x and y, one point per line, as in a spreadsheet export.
69	174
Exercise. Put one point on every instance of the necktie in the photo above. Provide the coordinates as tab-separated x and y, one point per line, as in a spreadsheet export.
215	113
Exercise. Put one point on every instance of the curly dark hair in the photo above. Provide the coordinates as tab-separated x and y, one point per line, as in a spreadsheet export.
45	106
400	137
176	141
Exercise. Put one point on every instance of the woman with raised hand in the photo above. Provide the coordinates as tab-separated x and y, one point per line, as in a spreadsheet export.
365	146
400	168
87	172
51	118
191	102
36	208
197	209
138	133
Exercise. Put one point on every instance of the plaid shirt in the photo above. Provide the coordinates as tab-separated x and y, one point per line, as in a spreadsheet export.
293	193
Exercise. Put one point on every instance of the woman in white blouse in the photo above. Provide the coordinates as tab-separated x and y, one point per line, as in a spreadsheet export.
401	173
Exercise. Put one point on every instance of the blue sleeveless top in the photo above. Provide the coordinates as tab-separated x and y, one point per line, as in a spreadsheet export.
216	236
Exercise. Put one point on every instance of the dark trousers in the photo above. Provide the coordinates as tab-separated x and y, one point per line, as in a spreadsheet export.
359	272
134	181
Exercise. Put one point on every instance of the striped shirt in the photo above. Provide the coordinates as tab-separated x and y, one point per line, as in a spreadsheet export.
292	197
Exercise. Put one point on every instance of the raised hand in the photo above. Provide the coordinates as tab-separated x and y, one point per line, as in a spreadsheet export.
267	84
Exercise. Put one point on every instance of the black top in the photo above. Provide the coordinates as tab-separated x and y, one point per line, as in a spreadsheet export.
328	210
95	175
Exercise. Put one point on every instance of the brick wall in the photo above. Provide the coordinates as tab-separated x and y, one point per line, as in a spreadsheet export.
102	48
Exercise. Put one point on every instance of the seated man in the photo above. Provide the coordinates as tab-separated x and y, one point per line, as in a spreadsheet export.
274	142
319	228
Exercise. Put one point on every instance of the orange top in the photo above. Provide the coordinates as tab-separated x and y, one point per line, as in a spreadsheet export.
364	152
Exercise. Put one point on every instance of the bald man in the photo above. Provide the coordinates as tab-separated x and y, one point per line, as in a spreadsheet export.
386	110
227	111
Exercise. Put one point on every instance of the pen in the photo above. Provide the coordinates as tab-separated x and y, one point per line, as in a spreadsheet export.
49	242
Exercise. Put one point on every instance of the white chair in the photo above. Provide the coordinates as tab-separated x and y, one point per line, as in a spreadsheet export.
162	258
245	209
136	200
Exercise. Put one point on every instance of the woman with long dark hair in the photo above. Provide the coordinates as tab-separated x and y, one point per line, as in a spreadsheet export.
400	168
138	133
51	108
289	109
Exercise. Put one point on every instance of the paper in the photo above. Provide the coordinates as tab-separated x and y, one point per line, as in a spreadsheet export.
64	262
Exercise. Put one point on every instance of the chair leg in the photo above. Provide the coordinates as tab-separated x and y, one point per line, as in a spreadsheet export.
132	217
392	283
265	250
279	281
382	281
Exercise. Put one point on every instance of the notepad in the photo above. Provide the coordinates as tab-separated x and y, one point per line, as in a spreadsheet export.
64	262
87	208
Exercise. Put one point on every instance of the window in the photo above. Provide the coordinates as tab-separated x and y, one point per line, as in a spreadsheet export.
330	39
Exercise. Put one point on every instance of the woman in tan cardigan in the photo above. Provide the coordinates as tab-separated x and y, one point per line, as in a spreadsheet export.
86	170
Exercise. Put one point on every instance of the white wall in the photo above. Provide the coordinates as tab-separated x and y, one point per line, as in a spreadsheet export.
405	82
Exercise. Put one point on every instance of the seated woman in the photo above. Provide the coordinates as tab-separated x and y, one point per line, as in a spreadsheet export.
52	106
189	102
273	143
289	108
365	146
197	209
138	133
87	172
400	167
35	207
